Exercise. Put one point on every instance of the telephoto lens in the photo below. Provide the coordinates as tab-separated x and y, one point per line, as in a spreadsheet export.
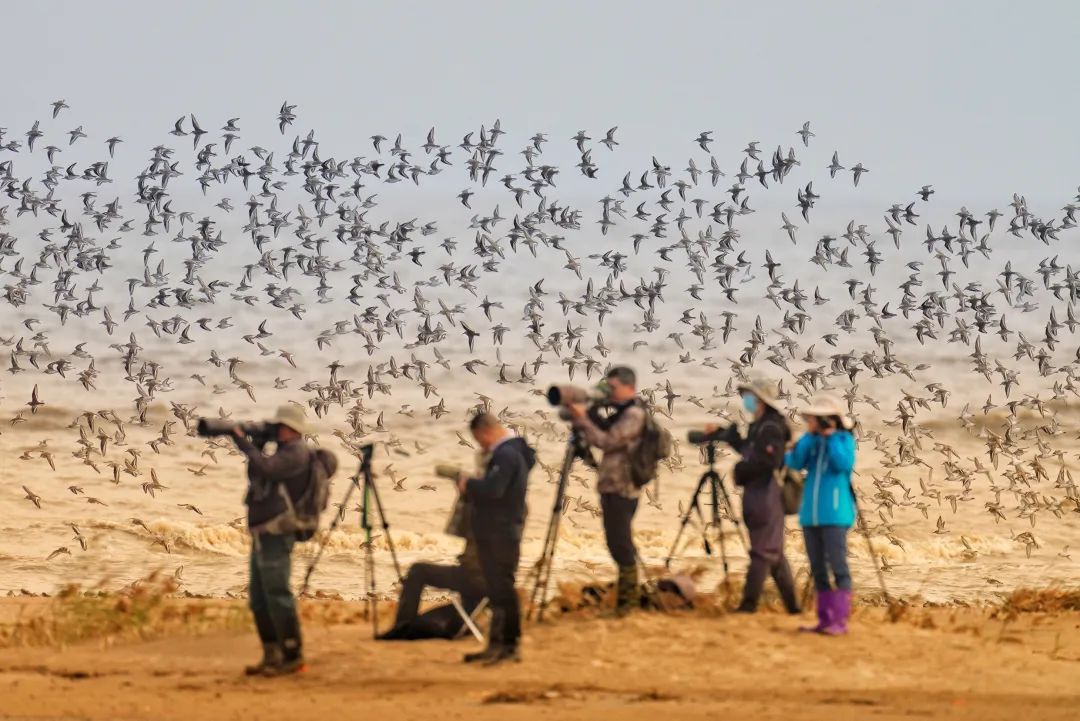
701	437
446	470
210	427
696	437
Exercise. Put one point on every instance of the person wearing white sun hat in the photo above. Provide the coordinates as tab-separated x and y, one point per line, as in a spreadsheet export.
270	477
827	453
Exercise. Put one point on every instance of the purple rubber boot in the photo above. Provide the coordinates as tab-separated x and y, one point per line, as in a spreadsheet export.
825	602
838	617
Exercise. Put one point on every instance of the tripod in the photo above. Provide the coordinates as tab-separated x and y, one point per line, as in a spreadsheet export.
369	492
864	529
575	448
718	494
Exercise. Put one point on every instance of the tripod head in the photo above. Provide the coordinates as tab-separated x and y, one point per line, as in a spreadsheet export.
366	451
581	449
709	449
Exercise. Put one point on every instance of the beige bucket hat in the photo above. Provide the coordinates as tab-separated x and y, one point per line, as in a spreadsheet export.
293	417
826	404
764	389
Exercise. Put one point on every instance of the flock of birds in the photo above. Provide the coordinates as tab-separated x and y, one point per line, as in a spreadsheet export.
390	287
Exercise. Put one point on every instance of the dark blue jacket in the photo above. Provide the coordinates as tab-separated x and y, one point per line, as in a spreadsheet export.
497	499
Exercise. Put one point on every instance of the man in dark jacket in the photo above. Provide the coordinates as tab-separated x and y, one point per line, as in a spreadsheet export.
762	453
270	477
497	503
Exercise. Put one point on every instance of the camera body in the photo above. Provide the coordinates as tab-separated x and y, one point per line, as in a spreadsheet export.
260	433
597	399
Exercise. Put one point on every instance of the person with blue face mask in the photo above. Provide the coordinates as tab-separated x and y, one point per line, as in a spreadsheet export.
762	454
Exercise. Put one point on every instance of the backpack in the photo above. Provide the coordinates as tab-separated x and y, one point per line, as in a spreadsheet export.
654	446
791	489
302	515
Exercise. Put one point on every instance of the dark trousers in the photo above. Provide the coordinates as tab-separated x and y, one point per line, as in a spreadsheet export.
451	578
761	567
498	562
618	515
269	597
826	548
764	518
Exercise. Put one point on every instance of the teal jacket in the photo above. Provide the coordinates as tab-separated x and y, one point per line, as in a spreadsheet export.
828	462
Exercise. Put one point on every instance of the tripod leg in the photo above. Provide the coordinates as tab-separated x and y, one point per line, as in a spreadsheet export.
369	555
865	531
537	573
548	565
385	526
326	538
538	598
715	486
652	582
694	501
732	515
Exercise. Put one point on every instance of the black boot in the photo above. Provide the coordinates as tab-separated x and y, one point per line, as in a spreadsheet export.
271	658
627	591
511	635
495	639
506	653
292	658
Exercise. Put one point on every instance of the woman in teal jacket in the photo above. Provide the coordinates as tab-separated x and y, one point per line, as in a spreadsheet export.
827	453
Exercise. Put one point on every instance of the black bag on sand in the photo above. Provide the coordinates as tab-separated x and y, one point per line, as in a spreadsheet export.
439	622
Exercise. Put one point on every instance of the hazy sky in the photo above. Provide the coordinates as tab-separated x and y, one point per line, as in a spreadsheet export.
978	98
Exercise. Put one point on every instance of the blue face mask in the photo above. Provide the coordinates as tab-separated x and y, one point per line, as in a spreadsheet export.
750	403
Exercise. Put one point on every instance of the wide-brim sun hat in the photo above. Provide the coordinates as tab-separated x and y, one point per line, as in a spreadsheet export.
764	389
293	417
825	405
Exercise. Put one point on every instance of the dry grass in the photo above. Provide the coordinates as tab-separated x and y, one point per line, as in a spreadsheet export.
151	608
1044	600
145	609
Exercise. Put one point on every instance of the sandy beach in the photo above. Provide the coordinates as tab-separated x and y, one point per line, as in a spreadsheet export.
956	663
381	230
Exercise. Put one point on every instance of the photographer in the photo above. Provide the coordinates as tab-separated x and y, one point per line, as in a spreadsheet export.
498	510
827	453
618	495
465	578
286	471
762	453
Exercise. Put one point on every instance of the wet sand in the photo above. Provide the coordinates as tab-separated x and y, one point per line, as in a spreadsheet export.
951	663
